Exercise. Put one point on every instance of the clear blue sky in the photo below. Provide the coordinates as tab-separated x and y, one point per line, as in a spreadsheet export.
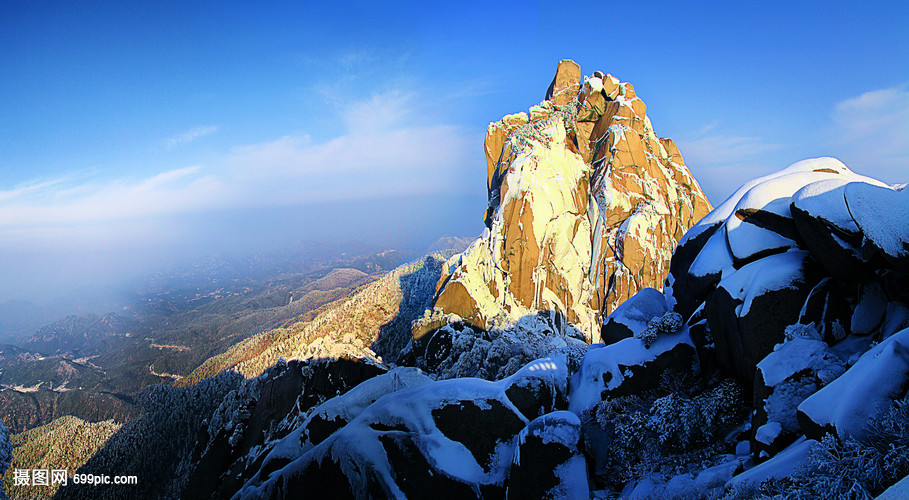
160	128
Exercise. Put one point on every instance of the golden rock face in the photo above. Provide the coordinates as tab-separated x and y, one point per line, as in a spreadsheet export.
586	206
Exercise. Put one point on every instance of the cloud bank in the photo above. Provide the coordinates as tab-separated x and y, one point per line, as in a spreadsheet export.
381	155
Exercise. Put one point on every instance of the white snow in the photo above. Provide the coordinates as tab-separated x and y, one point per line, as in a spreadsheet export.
587	385
768	432
774	272
899	491
826	200
791	357
783	464
880	212
714	257
784	183
636	312
868	387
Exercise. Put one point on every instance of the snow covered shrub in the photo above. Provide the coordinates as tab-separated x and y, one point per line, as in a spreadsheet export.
672	434
799	330
459	350
158	445
853	469
670	322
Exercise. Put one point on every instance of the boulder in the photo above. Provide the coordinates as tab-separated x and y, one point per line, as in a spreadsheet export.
827	230
629	367
880	213
548	462
633	315
847	404
794	370
456	438
828	309
749	311
251	415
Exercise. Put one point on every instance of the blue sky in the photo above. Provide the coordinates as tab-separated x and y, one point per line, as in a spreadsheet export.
134	132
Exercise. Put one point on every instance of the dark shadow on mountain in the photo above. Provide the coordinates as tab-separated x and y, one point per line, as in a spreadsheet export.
417	292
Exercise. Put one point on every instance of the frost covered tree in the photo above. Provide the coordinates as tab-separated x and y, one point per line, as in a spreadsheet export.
157	446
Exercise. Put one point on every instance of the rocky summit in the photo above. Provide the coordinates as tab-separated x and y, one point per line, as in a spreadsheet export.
586	204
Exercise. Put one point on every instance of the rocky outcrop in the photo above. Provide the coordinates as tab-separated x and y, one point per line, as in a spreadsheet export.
788	249
253	414
548	462
455	438
586	205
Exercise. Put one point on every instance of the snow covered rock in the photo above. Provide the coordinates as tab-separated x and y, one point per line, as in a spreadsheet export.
795	370
847	404
455	437
880	213
628	367
898	491
751	307
251	414
548	462
459	350
796	246
822	217
784	464
337	412
586	204
633	315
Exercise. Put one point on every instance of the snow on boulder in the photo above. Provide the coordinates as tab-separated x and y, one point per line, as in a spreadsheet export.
548	462
311	428
254	413
633	315
335	413
847	404
586	204
795	370
749	311
880	212
628	367
822	218
899	491
787	248
784	464
455	437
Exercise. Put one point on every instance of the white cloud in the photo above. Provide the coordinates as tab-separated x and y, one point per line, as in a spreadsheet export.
723	149
190	135
380	155
871	133
721	163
